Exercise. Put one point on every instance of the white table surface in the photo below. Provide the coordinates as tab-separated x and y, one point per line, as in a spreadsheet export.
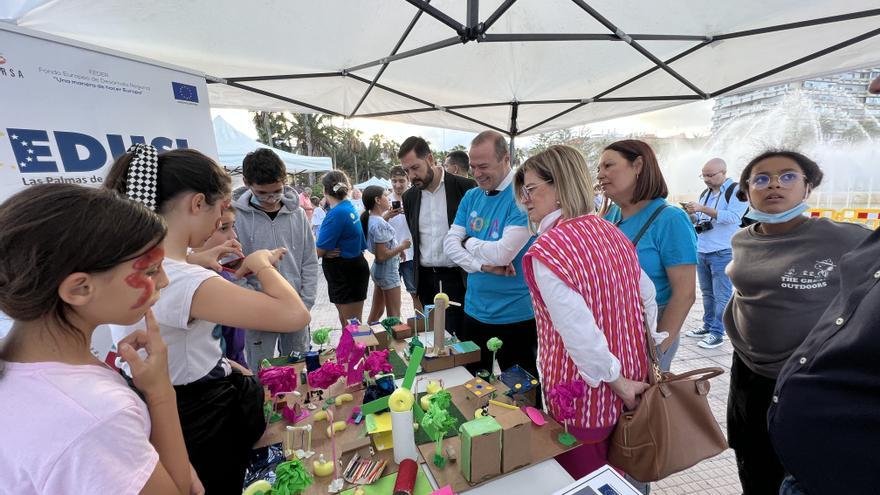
544	477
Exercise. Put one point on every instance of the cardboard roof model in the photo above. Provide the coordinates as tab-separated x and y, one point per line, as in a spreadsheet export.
519	67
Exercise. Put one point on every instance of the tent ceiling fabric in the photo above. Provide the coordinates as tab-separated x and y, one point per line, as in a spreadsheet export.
552	63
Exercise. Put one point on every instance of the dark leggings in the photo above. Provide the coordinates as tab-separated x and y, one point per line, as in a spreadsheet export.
750	394
221	421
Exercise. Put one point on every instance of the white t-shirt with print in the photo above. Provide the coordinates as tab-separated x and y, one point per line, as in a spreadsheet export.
193	348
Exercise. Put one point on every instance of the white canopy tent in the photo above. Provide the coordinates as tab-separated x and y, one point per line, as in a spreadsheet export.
233	145
374	181
520	67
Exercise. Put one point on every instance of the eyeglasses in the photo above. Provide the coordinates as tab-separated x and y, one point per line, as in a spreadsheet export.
267	197
709	176
527	190
786	180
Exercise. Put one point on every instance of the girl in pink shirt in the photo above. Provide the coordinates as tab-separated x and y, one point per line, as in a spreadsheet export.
75	258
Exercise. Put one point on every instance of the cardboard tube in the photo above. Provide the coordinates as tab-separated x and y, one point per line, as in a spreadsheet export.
406	477
403	436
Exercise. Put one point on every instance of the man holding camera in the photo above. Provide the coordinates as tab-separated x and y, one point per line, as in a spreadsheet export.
717	216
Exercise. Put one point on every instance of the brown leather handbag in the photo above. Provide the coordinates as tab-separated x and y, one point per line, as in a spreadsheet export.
672	428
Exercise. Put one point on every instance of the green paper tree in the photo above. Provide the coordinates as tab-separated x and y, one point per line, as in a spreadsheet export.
320	337
291	478
439	419
493	345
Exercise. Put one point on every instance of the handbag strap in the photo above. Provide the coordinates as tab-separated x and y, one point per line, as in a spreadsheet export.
651	219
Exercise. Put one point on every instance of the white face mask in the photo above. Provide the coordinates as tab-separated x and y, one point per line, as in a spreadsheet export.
760	216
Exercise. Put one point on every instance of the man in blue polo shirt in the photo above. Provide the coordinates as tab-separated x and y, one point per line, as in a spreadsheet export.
488	239
716	216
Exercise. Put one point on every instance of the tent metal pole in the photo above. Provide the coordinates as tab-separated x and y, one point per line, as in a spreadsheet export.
512	151
514	114
395	91
479	105
649	98
616	87
653	69
639	48
283	76
403	37
801	24
473	16
397	112
438	14
475	121
794	63
409	53
509	37
284	98
495	16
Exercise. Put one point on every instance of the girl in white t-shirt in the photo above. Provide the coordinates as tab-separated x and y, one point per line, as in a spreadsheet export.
219	402
382	243
75	258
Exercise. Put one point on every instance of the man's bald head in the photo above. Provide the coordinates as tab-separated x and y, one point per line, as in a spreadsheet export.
714	173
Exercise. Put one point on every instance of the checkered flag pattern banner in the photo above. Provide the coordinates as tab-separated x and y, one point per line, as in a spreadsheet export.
142	175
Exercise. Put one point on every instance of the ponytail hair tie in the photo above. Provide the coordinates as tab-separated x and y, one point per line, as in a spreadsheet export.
143	172
338	186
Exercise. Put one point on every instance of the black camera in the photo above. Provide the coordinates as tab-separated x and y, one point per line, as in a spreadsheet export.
704	226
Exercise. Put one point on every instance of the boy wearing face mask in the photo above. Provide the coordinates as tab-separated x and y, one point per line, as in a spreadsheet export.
269	214
785	270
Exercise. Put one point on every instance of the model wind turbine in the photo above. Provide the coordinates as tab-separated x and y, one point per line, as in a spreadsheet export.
441	304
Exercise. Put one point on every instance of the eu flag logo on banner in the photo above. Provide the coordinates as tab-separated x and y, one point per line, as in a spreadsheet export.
185	92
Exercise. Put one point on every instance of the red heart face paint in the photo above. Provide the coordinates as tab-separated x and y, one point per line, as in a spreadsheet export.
139	279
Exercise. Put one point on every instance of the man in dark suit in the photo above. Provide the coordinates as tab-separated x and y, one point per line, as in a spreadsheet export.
430	208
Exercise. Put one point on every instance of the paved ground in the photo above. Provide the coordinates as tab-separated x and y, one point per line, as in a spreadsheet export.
716	476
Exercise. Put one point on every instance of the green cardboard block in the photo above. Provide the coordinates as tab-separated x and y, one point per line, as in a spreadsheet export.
480	449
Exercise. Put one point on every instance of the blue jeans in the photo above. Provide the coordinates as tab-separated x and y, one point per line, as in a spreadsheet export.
716	288
790	486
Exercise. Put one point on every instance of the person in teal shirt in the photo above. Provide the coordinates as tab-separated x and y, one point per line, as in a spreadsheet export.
664	236
488	239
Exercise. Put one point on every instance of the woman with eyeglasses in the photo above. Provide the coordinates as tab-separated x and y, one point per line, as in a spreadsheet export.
588	292
784	272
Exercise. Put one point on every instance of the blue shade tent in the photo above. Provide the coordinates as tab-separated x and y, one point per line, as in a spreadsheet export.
374	181
233	145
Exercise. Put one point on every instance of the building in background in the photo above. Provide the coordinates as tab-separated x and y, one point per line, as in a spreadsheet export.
839	104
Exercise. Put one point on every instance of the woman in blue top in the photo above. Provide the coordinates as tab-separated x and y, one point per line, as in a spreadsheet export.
664	237
341	243
382	243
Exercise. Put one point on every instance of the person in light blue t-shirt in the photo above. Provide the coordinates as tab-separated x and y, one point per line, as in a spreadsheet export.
488	238
630	177
717	216
341	244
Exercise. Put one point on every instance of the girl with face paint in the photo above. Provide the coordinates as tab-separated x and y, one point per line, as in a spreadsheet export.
784	269
75	258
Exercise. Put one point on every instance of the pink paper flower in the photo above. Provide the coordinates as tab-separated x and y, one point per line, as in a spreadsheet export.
562	398
279	379
377	362
326	375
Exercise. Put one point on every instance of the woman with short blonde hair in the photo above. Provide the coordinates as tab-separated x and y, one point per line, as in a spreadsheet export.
589	294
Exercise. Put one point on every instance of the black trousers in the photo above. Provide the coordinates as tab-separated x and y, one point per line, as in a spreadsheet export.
520	345
221	420
453	285
750	395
